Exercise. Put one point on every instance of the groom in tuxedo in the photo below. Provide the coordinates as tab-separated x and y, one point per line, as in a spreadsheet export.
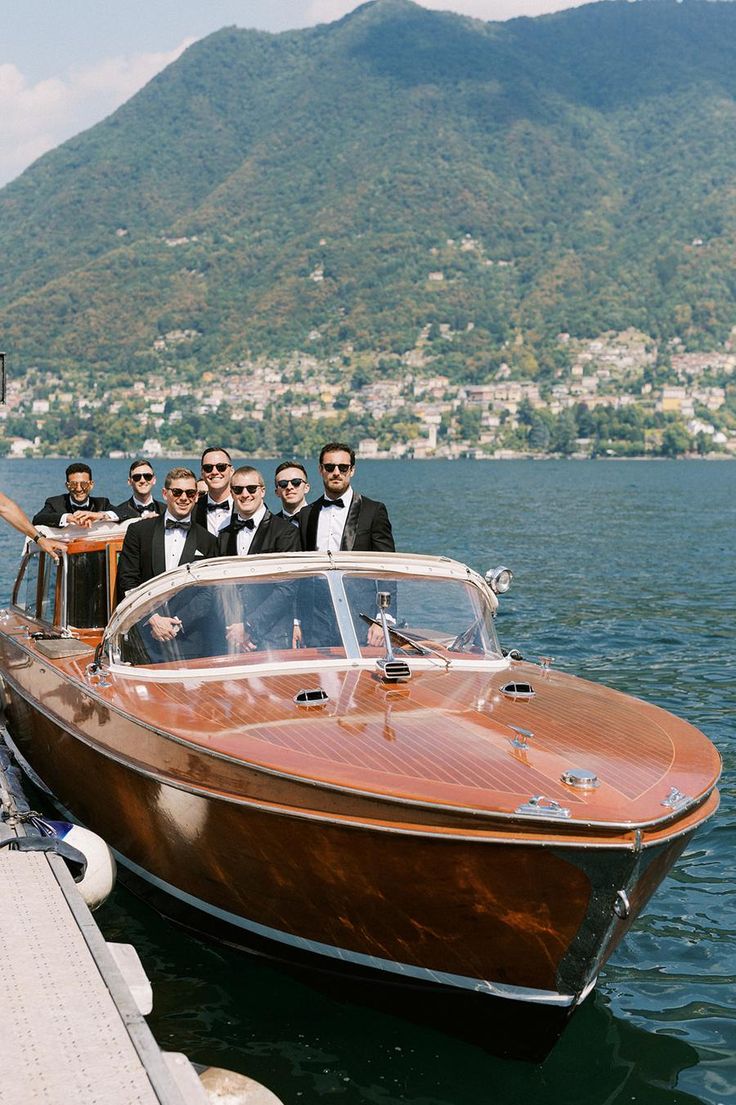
341	519
157	545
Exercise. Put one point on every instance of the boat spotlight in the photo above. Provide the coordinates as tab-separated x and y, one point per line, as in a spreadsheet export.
499	580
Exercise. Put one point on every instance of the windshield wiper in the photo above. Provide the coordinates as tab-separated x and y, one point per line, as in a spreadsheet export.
422	649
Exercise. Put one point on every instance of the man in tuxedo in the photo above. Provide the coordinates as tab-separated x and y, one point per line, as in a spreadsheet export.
268	620
341	519
292	487
214	510
159	544
77	507
141	503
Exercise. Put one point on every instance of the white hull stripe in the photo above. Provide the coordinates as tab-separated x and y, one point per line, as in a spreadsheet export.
424	974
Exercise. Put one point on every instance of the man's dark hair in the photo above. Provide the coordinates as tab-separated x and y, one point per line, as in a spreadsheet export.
337	447
78	466
290	464
139	464
215	449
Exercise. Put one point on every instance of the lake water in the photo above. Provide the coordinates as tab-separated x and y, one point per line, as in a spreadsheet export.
625	573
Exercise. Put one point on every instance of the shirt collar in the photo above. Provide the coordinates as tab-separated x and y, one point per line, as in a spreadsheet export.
347	498
257	518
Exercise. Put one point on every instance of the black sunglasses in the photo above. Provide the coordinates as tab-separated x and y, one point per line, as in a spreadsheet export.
177	492
221	467
296	482
239	488
343	467
141	477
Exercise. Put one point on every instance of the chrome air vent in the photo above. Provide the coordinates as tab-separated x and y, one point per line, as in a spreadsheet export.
518	690
394	671
311	697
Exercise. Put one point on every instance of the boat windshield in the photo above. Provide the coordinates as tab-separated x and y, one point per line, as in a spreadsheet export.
317	615
427	616
244	620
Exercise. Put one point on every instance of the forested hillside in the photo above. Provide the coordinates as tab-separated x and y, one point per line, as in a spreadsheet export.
336	190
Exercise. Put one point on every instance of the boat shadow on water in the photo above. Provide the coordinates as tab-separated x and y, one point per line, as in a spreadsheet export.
321	1033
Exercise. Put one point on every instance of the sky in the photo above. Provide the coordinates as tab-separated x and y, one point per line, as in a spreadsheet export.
67	64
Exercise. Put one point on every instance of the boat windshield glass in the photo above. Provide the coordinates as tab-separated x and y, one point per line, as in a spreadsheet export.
447	616
234	622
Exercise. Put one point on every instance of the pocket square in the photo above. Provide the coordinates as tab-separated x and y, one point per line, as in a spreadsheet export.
198	553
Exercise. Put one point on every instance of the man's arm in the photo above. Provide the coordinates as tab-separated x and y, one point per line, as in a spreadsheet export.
129	564
48	515
382	538
18	519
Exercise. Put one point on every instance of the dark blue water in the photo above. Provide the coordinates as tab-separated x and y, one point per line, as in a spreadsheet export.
625	573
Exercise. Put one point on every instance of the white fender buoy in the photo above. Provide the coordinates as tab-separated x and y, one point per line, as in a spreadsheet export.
99	878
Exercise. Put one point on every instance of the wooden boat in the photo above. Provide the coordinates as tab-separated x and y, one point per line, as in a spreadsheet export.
395	796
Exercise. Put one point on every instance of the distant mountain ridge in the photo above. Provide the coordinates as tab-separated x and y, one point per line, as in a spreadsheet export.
337	189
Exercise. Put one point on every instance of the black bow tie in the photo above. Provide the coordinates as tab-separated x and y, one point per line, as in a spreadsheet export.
243	523
183	523
333	502
140	507
217	506
78	506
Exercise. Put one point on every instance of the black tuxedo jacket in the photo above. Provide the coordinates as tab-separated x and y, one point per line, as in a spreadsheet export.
274	534
127	509
268	608
142	556
56	505
367	528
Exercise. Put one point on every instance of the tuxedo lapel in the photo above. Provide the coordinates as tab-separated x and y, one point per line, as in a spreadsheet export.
351	525
259	537
312	522
190	547
158	554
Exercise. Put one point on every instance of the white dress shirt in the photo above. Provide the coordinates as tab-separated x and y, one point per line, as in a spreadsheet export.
245	535
174	541
331	523
220	517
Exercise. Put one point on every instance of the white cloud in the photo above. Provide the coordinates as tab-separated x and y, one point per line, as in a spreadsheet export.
37	117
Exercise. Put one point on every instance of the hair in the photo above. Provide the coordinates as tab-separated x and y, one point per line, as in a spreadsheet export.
290	464
337	447
137	464
215	449
244	470
78	466
179	474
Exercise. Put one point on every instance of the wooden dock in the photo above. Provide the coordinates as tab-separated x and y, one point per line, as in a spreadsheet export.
73	1005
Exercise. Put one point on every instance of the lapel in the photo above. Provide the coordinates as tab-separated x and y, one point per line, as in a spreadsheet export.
312	520
351	525
158	555
190	546
259	537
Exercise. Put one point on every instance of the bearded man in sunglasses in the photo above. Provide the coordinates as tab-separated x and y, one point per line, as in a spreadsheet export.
77	507
157	545
141	503
341	519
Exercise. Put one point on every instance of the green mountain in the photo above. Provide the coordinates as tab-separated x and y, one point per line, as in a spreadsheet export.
337	189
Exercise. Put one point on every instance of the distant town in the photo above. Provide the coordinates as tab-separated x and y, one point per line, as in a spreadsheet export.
617	395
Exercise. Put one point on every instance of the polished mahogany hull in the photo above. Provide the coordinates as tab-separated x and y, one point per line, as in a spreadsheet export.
525	915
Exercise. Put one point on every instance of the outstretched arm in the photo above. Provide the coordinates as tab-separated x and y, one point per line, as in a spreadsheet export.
12	513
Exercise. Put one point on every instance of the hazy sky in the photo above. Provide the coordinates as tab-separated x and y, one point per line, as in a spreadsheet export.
66	64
